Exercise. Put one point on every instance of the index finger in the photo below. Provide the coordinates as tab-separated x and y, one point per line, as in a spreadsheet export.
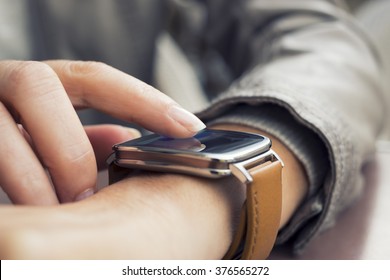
97	85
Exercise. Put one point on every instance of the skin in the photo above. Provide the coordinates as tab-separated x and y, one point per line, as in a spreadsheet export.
151	216
35	97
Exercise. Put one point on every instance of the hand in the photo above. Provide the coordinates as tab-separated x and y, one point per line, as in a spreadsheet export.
154	216
38	99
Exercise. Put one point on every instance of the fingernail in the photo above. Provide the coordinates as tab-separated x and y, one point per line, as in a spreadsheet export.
186	119
85	194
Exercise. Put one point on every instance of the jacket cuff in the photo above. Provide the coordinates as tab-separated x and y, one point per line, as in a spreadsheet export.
301	140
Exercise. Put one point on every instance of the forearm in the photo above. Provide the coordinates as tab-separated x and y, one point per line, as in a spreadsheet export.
180	216
150	216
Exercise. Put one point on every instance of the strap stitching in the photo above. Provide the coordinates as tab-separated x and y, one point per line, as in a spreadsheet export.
256	224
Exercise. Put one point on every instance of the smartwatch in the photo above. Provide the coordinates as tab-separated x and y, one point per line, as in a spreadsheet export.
242	156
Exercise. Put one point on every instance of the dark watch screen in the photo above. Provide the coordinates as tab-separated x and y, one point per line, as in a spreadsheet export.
206	141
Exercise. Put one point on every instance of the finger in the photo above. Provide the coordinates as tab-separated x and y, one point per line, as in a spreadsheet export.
96	85
22	176
36	98
103	137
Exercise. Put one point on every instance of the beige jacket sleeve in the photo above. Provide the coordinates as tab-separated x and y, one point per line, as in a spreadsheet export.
303	71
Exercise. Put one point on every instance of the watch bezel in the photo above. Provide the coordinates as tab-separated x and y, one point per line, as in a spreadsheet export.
199	163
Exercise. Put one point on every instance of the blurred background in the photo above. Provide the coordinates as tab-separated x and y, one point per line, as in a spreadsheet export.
174	75
374	18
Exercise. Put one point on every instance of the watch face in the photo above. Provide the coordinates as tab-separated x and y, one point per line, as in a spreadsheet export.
213	145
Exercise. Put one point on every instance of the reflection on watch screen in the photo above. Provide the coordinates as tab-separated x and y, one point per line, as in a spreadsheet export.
211	141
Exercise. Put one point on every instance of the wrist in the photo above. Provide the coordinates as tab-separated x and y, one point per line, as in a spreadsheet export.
192	217
294	178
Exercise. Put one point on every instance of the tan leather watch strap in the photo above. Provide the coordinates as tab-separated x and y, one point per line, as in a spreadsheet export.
260	214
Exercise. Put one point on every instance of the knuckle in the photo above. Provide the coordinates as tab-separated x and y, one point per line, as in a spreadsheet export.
76	159
87	67
78	153
29	79
80	159
29	71
80	156
83	73
64	171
